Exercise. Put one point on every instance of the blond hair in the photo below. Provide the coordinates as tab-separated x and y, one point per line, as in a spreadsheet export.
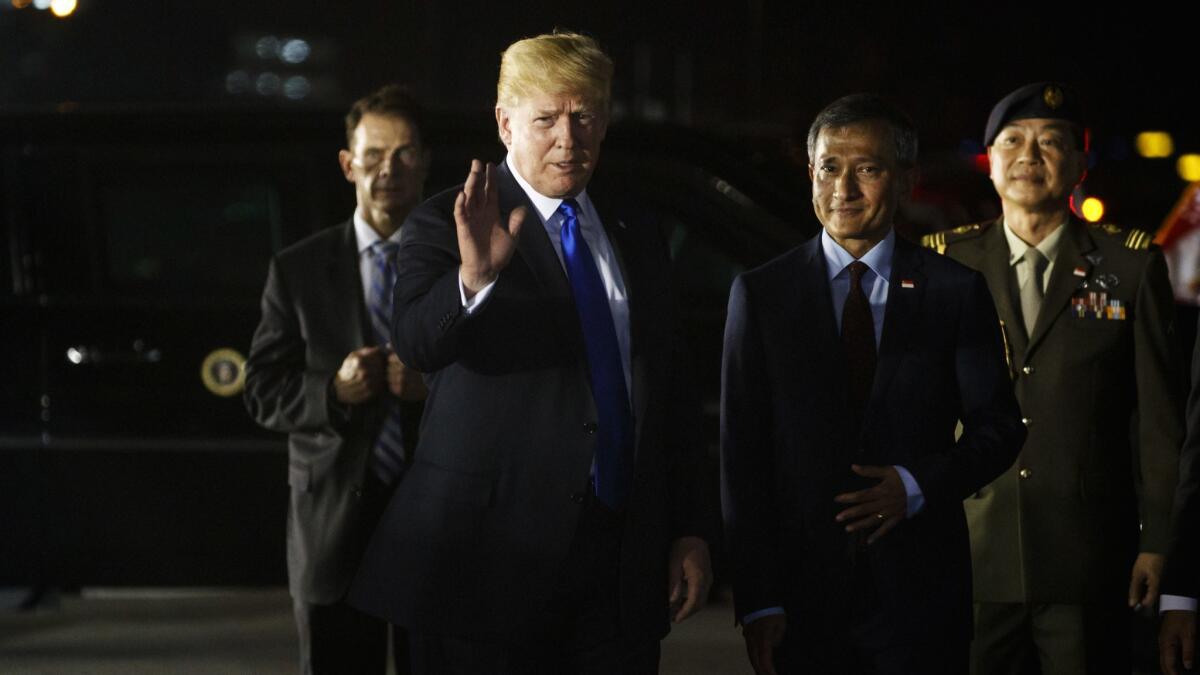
554	63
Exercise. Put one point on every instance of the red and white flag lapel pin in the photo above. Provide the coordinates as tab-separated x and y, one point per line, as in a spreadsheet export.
907	283
1080	272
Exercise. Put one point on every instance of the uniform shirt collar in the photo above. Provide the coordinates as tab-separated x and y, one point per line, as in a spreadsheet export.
1048	247
878	259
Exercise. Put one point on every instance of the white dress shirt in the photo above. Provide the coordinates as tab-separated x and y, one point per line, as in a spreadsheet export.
603	254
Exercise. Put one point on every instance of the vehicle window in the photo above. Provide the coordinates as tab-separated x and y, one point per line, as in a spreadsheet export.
702	268
194	230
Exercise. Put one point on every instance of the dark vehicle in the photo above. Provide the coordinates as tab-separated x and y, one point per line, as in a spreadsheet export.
134	251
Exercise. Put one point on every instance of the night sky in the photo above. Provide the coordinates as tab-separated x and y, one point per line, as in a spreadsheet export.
752	69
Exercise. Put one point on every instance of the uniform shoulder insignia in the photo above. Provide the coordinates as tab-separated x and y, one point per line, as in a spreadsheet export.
1138	240
939	240
1133	239
935	241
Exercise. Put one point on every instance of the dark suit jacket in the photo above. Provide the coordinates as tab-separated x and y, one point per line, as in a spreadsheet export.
1103	407
312	317
475	535
1182	574
787	442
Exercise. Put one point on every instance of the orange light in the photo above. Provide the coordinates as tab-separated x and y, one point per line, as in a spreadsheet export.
21	4
1093	209
63	8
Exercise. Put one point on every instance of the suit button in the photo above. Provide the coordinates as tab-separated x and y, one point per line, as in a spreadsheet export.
1024	473
358	493
1028	370
1027	421
590	428
578	497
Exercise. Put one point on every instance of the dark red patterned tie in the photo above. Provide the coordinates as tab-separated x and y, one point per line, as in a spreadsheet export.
858	337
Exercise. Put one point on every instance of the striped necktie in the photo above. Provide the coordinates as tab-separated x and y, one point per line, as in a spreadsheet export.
388	454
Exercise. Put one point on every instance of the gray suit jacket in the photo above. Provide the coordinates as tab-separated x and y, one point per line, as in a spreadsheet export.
312	317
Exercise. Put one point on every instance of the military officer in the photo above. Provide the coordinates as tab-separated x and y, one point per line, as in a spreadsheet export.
1073	535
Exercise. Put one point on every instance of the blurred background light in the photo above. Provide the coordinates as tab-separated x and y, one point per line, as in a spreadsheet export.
1093	209
295	51
1188	167
267	47
238	82
296	87
267	84
1152	144
63	8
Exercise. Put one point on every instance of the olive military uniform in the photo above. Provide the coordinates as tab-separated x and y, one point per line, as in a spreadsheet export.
1096	381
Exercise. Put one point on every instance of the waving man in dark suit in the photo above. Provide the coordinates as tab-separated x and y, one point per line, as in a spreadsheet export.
551	514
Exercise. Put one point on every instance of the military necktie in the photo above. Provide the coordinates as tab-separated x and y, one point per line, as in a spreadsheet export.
614	443
388	454
1032	291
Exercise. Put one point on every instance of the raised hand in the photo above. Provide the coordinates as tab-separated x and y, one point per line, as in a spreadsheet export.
484	244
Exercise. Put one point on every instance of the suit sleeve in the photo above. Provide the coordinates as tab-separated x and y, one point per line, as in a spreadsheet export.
429	324
1182	574
747	461
1160	430
282	393
992	429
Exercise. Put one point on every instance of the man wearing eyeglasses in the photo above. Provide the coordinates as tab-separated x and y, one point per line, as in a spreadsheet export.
322	369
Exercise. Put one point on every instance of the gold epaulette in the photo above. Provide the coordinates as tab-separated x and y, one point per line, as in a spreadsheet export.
1138	240
935	241
938	240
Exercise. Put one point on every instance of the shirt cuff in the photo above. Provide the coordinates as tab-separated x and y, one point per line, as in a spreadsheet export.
916	498
469	306
754	616
1168	603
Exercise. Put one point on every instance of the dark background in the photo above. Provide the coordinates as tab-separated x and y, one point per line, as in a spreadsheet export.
747	71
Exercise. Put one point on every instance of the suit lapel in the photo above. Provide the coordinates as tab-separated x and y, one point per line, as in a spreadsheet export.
345	281
819	338
536	250
1073	248
906	290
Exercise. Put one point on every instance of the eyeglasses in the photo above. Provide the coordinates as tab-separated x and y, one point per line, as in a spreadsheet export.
371	160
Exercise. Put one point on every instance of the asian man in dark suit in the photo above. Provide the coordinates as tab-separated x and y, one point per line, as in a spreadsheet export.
321	370
848	363
551	522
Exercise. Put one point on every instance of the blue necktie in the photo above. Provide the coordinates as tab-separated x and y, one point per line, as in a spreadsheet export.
614	444
388	453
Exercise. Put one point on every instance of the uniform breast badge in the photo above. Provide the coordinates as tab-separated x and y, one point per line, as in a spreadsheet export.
1093	299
